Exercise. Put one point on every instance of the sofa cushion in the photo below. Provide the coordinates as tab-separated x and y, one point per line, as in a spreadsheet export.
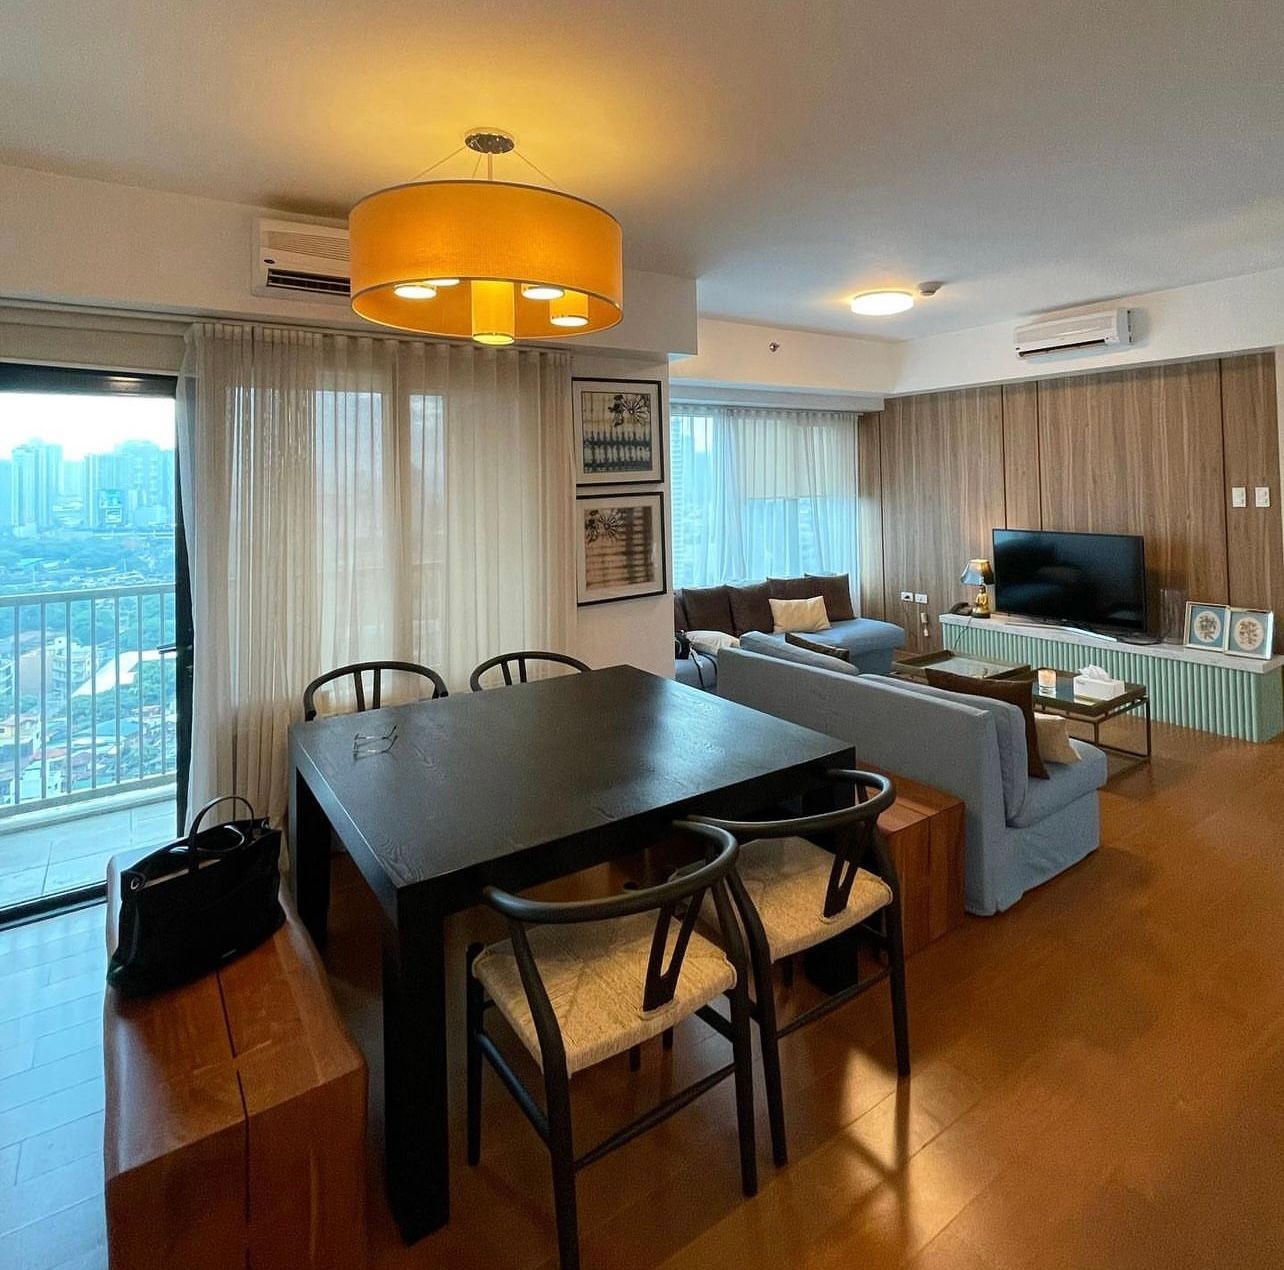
1054	739
836	590
792	588
775	646
750	608
1065	783
709	642
1016	692
679	614
865	634
828	650
707	608
1009	729
799	615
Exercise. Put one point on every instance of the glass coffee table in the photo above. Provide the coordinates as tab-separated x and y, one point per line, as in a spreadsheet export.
1061	700
914	666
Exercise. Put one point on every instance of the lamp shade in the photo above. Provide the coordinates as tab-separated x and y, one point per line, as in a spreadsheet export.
977	573
483	231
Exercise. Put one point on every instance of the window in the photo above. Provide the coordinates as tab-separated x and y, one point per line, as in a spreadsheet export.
761	492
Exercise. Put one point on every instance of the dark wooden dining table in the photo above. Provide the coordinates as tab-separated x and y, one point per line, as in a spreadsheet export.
511	787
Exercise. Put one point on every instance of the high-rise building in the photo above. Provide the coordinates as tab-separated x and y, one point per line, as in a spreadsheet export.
37	484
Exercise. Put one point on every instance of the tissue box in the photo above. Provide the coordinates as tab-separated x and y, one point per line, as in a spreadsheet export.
1097	689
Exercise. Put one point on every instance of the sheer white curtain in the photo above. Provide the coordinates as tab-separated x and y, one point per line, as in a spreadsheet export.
761	492
349	498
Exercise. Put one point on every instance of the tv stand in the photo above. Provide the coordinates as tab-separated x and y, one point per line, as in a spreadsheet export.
1215	692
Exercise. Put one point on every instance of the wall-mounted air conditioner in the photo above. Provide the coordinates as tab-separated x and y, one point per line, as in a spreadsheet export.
1087	331
295	258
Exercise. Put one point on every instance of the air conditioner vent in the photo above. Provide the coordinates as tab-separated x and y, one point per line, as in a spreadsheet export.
333	246
1082	331
315	283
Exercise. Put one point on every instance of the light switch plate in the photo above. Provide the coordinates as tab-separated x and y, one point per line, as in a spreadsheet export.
1262	496
1239	496
920	597
907	596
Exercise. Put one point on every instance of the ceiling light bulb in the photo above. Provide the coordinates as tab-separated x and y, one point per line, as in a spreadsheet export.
539	291
572	309
415	291
443	282
882	303
493	319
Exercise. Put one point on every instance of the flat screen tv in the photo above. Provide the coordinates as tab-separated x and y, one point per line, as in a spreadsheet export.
1090	580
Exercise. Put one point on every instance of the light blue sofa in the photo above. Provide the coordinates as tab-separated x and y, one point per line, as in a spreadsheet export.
1019	832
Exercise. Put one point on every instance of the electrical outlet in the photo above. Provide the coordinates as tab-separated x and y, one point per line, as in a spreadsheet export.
907	596
1262	496
920	597
1239	496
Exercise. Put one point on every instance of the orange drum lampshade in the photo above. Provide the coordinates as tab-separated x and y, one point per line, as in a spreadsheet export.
483	259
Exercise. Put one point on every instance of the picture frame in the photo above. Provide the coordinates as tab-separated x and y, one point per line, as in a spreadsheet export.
620	548
619	431
1250	633
1206	626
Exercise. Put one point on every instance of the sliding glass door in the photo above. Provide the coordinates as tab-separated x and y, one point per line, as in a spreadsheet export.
92	628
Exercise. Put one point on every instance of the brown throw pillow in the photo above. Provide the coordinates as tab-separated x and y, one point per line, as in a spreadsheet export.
792	588
830	650
707	608
837	592
750	608
1016	692
679	613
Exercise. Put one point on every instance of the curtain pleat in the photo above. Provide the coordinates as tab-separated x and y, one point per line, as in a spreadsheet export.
760	492
351	498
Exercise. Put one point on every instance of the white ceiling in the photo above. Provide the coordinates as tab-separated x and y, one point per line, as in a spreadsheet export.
1033	154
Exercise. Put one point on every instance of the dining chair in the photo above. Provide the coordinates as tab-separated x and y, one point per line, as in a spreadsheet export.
792	894
506	661
358	670
582	981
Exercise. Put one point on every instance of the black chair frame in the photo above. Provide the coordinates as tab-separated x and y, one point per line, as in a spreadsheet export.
505	660
853	836
358	670
678	899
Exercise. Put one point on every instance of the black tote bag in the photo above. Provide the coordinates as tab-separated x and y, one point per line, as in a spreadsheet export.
197	903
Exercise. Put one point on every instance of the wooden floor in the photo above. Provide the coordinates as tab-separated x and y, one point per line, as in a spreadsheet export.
1098	1081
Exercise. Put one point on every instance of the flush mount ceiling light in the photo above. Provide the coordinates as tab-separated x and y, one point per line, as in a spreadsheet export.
494	261
882	303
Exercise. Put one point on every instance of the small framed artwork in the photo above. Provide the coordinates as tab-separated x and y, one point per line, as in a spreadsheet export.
1250	633
621	547
619	431
1207	626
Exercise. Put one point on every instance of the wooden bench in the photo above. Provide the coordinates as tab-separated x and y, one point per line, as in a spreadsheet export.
235	1130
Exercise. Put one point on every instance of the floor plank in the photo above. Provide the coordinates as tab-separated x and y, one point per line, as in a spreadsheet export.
1098	1081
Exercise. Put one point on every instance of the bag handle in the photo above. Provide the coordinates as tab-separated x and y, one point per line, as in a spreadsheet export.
204	811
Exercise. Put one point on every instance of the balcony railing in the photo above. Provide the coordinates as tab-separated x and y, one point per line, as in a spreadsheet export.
87	694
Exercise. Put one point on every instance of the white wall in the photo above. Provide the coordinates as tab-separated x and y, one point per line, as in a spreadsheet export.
738	354
1208	319
66	240
638	632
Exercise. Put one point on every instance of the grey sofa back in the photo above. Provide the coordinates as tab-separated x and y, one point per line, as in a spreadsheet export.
943	743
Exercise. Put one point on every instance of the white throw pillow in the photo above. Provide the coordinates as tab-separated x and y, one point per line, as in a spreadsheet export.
708	642
803	616
1054	739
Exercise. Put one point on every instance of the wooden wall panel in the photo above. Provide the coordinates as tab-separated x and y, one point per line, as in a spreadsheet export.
1250	444
869	527
1140	452
1021	476
942	478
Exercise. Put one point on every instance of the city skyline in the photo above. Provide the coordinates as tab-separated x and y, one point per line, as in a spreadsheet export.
83	424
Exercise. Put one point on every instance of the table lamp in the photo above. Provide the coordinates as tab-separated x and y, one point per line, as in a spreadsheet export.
979	574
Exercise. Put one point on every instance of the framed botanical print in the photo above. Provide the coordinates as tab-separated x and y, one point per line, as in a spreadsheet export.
1250	633
620	549
619	431
1207	626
